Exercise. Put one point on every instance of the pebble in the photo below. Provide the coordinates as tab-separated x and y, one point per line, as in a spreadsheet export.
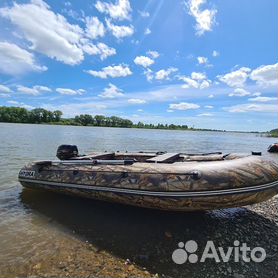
131	267
168	235
37	266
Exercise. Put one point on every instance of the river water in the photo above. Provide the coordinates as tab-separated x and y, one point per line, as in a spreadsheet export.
36	226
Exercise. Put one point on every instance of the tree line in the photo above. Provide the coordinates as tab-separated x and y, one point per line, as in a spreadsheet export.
22	115
43	116
273	133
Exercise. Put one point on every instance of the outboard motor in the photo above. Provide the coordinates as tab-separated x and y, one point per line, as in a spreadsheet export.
65	152
273	148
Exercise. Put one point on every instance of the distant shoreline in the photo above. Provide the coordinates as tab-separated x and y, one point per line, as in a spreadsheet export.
42	116
10	114
263	134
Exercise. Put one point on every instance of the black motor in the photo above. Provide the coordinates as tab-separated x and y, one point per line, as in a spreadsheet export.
273	148
65	152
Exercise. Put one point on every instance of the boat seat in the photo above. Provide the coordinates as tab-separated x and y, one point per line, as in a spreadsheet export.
203	157
164	158
104	155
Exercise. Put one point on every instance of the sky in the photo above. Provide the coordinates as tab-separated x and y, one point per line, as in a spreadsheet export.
208	64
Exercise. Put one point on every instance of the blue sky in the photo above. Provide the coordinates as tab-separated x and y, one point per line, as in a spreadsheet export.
208	64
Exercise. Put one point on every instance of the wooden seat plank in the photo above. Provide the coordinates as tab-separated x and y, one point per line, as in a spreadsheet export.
164	158
103	155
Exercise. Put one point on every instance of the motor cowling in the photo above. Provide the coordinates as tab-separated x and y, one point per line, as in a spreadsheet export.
65	152
273	148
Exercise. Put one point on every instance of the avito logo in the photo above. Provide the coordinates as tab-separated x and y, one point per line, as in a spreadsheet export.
187	252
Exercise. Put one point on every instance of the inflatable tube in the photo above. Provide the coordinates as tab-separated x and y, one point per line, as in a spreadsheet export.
273	148
177	182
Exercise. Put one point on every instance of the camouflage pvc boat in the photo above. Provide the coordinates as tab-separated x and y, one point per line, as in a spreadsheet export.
166	181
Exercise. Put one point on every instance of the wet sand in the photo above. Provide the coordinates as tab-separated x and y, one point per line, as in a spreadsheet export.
99	239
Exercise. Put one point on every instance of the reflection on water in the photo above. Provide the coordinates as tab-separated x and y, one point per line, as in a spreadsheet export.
33	225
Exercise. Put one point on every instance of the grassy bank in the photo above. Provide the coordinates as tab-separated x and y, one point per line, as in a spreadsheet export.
273	133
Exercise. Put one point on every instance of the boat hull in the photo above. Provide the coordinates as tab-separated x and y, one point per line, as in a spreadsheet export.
180	186
171	201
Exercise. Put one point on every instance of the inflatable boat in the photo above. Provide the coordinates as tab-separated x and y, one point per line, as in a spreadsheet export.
159	180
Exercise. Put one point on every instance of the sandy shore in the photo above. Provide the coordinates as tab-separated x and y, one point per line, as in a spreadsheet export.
107	240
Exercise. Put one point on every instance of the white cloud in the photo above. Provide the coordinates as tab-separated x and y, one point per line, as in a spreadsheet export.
205	84
153	54
5	89
263	99
136	101
144	13
149	74
143	61
100	49
241	108
205	115
198	75
52	35
164	73
120	11
13	102
183	106
202	60
197	80
94	28
111	71
48	33
42	88
215	53
15	60
35	90
211	96
111	92
105	51
73	14
235	78
71	92
209	106
146	62
119	31
265	75
91	49
205	19
190	83
147	31
20	104
239	92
